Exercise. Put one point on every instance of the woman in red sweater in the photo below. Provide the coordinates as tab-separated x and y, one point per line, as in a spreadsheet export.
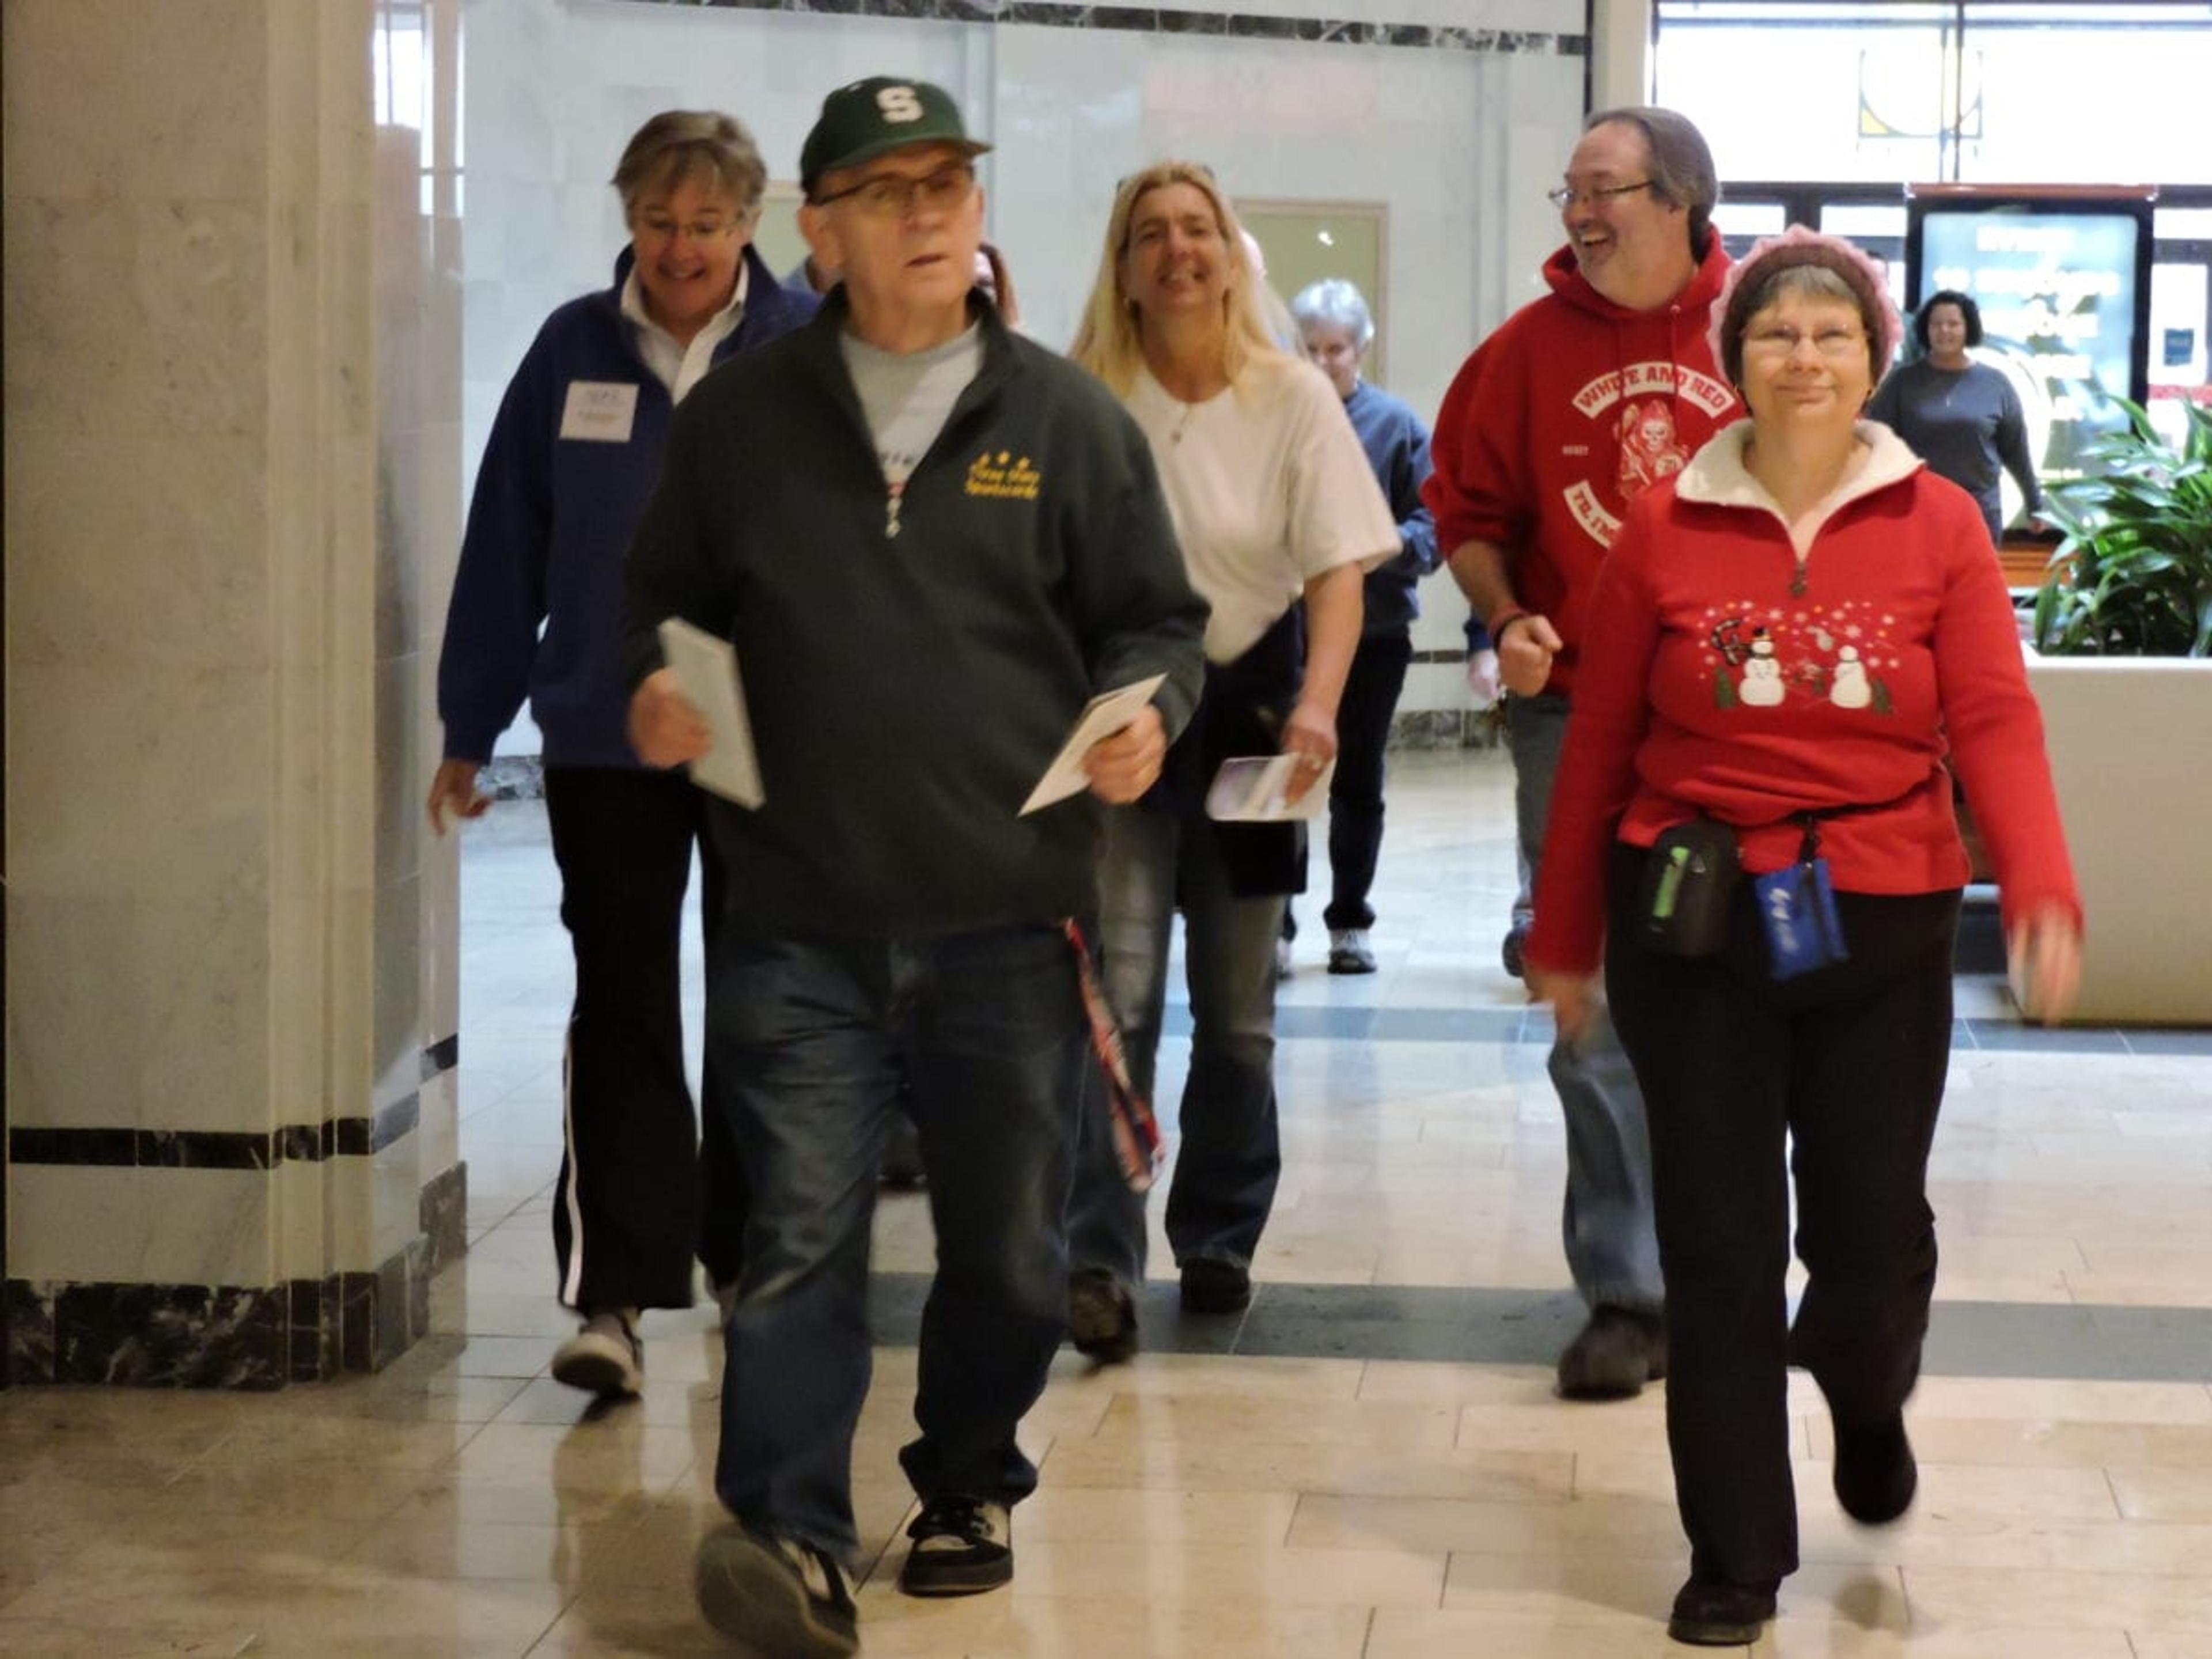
1792	642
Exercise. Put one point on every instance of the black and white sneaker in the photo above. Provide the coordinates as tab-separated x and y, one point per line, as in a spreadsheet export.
1349	952
778	1596
962	1546
604	1358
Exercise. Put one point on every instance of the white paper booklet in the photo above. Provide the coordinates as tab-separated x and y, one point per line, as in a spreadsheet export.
707	671
1101	717
1250	789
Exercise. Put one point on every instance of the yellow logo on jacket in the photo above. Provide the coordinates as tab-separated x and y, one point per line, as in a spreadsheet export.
1004	475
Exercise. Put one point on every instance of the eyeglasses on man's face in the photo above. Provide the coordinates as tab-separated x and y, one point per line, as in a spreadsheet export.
1566	195
893	195
1779	340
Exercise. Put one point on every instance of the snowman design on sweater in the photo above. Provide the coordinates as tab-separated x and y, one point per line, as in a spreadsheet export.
1834	654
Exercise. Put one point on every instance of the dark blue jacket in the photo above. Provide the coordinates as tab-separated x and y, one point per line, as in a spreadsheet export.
548	527
1397	446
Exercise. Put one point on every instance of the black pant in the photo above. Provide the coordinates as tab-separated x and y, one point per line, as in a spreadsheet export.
1849	1062
1372	690
634	1189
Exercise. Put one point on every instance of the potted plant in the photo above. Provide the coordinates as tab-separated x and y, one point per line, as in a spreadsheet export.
2122	664
2133	577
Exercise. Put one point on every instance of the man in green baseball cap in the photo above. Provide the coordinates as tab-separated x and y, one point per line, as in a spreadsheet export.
865	119
904	482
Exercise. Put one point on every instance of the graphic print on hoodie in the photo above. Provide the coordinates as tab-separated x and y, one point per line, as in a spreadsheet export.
1573	408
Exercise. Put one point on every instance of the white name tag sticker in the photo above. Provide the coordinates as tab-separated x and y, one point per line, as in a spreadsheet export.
599	411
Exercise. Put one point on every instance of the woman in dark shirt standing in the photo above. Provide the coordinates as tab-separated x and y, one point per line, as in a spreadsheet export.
1961	417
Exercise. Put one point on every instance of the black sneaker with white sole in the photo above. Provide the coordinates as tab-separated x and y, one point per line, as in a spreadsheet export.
962	1546
777	1596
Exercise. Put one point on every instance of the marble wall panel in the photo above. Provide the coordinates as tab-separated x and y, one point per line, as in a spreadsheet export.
399	1023
73	1045
170	590
299	1196
1420	22
139	1226
127	315
74	66
136	779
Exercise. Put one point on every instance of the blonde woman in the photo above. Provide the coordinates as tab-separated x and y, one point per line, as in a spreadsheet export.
1273	502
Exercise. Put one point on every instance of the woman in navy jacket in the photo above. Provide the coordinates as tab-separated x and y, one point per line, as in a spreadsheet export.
572	456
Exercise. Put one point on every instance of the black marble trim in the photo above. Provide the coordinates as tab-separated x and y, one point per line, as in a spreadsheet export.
216	1148
1161	20
227	1336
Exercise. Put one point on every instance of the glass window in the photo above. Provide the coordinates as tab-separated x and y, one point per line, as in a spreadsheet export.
1741	223
1962	91
1848	91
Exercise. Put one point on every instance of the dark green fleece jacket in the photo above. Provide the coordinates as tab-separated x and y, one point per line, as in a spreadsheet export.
908	690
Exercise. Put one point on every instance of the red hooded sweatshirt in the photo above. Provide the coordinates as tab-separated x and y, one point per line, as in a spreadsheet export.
1564	415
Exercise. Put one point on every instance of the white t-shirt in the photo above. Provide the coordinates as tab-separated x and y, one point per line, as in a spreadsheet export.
1268	488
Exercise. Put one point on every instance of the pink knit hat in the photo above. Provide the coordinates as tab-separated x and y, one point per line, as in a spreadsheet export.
1747	278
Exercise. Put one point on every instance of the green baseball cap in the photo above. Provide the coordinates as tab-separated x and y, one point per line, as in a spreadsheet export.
881	113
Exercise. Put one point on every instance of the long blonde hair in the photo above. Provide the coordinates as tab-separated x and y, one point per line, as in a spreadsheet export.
1110	344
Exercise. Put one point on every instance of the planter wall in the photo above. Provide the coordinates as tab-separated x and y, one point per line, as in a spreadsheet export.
2131	744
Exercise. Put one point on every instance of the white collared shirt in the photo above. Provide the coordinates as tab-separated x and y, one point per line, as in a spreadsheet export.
680	367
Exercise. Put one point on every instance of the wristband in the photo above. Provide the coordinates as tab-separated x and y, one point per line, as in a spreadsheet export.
1498	627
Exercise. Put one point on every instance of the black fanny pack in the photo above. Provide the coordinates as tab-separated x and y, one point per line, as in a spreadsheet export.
1688	877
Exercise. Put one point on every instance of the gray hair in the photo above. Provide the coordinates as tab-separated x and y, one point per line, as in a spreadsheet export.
1334	303
679	145
1682	171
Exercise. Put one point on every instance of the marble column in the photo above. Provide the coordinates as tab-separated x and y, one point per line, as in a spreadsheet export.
232	405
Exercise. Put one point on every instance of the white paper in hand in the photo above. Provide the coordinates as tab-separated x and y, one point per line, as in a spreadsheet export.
1250	789
1101	717
707	671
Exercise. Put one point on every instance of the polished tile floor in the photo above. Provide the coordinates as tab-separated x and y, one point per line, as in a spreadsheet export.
1368	1465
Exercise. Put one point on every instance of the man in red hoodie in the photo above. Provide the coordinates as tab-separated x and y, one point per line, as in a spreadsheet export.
1581	400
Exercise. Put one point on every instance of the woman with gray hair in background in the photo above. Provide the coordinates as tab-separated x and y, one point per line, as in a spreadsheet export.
1337	332
573	453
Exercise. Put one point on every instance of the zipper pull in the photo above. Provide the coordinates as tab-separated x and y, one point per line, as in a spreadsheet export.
1797	581
891	493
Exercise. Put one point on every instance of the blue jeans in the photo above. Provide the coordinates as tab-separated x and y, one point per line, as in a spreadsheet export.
812	1040
1231	1154
1612	1245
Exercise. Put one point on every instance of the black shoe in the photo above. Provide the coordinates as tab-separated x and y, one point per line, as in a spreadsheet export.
1876	1474
1211	1285
776	1596
1617	1353
1102	1316
962	1546
901	1168
1708	1615
1510	952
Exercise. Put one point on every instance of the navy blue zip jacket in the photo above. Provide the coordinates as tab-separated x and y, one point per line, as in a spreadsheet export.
1397	446
548	525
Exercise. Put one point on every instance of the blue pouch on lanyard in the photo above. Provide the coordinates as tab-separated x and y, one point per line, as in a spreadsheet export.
1797	907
